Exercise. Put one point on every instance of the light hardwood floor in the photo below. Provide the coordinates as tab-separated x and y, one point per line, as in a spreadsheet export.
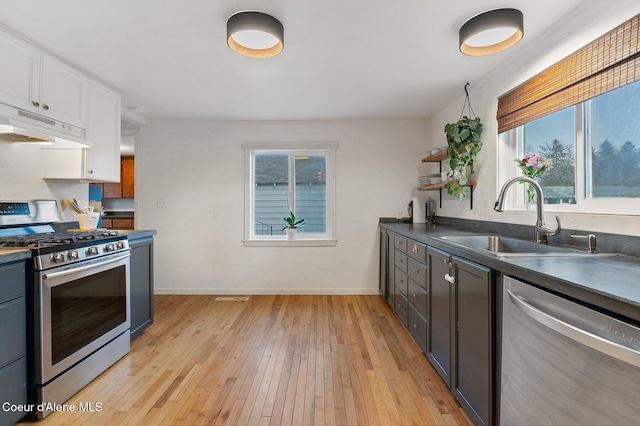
278	360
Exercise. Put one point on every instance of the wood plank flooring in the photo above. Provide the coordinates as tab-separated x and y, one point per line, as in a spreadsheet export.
270	360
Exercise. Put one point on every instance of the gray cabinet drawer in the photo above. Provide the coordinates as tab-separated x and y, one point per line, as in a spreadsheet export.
417	297
417	326
401	261
417	250
13	281
400	243
401	282
401	308
13	390
12	330
417	272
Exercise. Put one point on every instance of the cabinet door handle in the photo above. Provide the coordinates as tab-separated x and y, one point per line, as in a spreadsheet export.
450	279
415	248
35	104
45	106
416	271
415	326
400	260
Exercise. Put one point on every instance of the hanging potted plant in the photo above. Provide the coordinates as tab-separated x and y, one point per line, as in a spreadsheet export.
292	224
464	144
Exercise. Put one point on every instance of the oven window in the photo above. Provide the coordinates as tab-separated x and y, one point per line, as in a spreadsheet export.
84	309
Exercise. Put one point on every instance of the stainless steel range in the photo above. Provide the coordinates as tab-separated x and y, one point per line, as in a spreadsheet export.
78	300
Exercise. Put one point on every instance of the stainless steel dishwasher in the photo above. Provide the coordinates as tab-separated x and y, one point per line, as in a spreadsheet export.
565	364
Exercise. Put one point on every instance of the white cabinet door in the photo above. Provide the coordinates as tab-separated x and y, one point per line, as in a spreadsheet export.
102	160
20	65
63	92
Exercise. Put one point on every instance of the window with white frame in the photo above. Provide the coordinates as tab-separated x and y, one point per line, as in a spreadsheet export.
283	178
594	151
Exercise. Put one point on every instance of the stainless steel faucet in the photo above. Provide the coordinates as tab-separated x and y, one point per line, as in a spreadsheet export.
542	230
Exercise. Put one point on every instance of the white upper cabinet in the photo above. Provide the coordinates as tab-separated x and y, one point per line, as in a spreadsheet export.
38	82
63	92
20	65
102	160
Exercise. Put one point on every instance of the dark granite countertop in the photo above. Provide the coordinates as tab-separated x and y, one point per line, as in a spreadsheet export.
138	234
12	254
118	215
609	283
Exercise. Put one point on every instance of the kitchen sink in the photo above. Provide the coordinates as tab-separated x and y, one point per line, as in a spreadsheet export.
512	247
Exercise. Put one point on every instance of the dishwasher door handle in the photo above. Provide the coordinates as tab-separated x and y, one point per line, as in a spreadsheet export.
613	349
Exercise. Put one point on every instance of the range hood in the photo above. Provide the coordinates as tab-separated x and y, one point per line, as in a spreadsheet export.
24	127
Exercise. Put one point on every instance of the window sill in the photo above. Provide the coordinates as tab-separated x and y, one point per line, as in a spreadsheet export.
291	243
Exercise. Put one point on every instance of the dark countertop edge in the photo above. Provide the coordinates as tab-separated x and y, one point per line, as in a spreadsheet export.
8	255
581	292
138	234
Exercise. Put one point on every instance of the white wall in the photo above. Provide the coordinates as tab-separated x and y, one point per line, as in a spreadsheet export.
198	167
581	28
21	177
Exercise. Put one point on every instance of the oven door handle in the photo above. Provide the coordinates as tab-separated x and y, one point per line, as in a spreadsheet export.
83	268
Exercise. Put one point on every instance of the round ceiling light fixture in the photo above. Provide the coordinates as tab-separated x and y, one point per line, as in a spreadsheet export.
255	34
491	32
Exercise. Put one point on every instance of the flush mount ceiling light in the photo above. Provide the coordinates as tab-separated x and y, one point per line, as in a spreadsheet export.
491	32
255	34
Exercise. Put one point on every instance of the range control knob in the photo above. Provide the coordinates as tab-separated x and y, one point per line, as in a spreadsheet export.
109	247
73	255
120	245
58	257
92	251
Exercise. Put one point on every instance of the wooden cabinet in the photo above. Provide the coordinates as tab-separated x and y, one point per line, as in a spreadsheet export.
124	224
460	330
102	160
141	284
13	335
38	82
125	188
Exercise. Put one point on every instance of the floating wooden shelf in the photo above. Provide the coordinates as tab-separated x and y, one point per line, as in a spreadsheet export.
441	156
441	185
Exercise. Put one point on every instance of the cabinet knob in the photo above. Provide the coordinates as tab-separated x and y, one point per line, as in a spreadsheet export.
45	106
415	248
450	279
416	271
91	171
35	104
415	326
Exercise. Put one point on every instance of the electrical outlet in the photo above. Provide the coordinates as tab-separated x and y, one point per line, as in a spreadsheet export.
162	203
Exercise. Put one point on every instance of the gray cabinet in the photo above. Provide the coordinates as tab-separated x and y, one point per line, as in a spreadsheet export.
383	287
460	330
13	335
141	284
387	262
408	262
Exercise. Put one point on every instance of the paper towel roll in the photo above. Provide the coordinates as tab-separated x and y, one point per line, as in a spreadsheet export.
419	210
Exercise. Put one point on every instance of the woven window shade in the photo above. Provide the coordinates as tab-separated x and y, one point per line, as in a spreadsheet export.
605	64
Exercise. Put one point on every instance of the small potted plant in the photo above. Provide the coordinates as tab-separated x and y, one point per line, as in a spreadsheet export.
533	166
292	224
464	143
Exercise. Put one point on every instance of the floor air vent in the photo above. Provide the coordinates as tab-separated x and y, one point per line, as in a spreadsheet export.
236	298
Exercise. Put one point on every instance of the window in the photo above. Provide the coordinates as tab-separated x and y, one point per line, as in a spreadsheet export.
594	150
290	177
